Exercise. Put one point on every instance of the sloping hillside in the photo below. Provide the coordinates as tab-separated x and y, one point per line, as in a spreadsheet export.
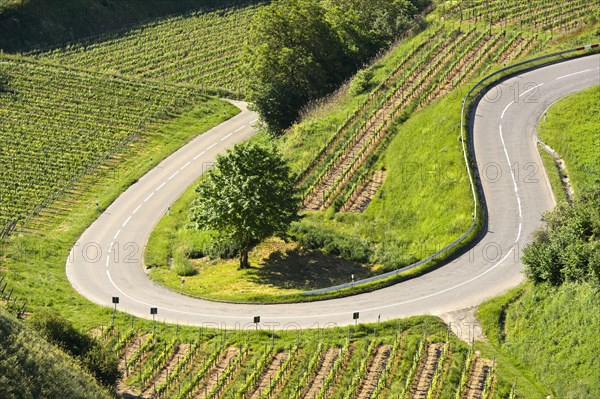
32	368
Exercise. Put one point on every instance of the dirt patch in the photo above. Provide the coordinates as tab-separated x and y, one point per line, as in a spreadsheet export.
426	370
363	195
464	324
269	373
480	370
317	383
374	371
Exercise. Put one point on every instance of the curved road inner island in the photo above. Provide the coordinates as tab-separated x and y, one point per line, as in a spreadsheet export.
107	260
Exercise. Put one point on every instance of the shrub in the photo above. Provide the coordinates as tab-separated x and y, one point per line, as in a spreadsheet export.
361	82
344	246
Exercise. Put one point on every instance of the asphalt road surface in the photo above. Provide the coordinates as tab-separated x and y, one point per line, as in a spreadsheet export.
107	260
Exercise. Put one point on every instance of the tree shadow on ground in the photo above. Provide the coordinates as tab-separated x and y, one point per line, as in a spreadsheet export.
303	269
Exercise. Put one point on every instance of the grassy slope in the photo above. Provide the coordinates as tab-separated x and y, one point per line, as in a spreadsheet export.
31	368
550	331
29	24
571	129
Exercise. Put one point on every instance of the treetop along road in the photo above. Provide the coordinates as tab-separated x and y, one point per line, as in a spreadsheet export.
107	260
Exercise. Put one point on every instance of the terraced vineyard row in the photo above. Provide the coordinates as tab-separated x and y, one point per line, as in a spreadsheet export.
202	49
57	124
404	364
443	66
535	13
443	60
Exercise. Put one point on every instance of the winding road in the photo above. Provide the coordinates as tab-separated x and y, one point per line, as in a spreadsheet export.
107	260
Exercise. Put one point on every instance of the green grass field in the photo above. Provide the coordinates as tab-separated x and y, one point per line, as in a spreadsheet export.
571	129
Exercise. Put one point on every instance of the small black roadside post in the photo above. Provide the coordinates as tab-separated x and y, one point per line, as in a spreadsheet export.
154	312
115	301
256	321
355	316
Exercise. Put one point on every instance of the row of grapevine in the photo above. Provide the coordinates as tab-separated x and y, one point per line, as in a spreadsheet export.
200	48
57	124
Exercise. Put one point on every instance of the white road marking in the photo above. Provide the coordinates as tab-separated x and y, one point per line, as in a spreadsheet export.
161	186
148	197
110	247
127	221
107	260
506	109
211	146
528	90
185	166
573	74
173	175
199	155
516	188
235	131
254	121
226	137
137	209
116	235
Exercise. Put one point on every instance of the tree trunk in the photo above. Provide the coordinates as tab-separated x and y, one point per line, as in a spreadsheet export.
244	264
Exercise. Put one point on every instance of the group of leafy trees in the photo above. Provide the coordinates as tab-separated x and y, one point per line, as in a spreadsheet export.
300	50
567	247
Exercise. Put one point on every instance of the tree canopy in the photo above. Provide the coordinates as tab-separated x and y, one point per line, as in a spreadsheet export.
567	248
300	50
246	197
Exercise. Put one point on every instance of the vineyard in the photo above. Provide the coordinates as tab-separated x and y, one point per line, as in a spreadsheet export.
201	49
442	58
58	124
367	362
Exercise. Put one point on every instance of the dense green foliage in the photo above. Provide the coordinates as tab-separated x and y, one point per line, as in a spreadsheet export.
572	130
300	50
100	362
29	24
567	247
247	197
58	123
199	48
31	368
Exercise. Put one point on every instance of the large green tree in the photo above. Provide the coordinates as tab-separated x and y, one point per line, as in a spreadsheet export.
567	247
301	50
246	197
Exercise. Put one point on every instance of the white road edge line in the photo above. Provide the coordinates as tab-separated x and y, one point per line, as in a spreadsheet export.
528	90
573	74
506	109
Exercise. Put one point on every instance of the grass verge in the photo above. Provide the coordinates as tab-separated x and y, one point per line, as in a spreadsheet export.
571	129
